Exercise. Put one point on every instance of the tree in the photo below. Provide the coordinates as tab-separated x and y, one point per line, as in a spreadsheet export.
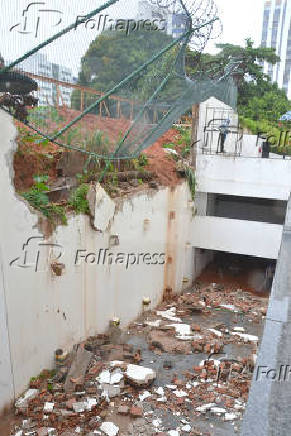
249	59
258	98
113	55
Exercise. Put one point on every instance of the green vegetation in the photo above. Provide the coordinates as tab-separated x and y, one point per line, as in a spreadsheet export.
112	56
186	140
37	197
143	160
39	116
78	200
97	142
73	136
170	145
190	175
260	102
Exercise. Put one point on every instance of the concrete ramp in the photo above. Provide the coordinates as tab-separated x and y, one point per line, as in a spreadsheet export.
250	238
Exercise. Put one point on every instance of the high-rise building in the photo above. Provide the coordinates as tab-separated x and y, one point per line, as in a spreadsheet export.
173	20
276	33
47	92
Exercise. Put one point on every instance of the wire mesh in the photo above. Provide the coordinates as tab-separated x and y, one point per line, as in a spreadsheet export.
110	75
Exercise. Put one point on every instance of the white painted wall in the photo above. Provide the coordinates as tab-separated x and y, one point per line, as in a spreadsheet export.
235	236
248	177
6	379
45	312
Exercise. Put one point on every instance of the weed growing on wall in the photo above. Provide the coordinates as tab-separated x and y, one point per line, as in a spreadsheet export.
190	175
78	200
37	197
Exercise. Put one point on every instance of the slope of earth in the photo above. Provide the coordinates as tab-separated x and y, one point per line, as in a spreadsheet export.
36	158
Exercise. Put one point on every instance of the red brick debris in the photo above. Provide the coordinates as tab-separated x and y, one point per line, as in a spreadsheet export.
177	370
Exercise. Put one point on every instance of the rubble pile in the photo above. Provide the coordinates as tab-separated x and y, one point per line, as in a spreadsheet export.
183	369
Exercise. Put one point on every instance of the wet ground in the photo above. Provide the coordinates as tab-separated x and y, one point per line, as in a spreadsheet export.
164	412
182	363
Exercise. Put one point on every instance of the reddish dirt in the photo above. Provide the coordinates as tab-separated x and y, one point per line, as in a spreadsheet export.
27	165
7	422
232	281
112	128
33	158
162	164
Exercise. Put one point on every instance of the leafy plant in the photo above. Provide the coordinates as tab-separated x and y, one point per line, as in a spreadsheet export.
190	175
114	180
37	197
185	137
143	160
73	135
97	143
78	199
171	146
185	152
54	211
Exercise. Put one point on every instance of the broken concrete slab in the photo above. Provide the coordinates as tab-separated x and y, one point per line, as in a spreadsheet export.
169	315
102	208
139	375
109	428
111	383
245	337
76	374
48	407
184	332
23	401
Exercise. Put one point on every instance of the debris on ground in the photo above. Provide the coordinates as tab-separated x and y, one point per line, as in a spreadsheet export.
185	369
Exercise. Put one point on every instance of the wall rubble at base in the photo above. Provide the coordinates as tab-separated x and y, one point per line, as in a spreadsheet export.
40	311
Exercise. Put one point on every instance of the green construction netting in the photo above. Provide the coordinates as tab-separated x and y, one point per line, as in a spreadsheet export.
111	75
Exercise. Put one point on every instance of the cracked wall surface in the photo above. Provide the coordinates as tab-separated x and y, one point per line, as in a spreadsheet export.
41	311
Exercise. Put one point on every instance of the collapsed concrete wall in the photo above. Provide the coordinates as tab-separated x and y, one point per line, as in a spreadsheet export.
59	289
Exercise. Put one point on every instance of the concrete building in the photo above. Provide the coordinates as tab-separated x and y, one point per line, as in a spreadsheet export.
40	65
276	33
241	198
177	24
172	20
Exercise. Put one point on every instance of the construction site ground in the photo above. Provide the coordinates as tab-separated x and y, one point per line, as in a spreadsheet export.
184	368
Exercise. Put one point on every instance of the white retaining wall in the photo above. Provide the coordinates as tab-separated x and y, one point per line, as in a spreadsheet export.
40	312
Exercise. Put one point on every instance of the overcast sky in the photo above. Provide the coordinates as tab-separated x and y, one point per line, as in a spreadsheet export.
240	18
